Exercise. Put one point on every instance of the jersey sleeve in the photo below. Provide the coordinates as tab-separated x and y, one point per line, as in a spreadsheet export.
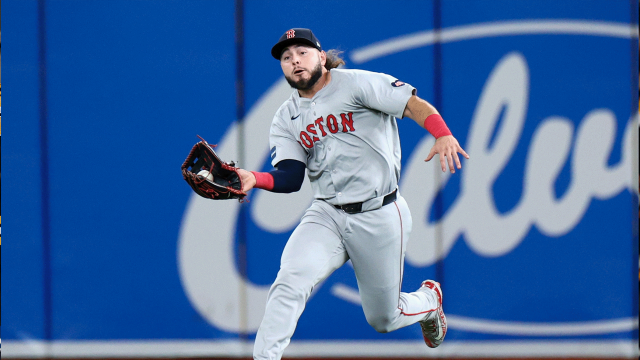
383	92
283	144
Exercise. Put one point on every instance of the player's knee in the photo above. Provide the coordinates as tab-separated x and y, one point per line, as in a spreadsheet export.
292	284
381	323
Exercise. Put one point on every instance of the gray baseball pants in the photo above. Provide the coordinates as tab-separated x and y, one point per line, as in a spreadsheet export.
325	239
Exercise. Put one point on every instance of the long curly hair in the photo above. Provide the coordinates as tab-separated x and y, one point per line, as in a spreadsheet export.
333	59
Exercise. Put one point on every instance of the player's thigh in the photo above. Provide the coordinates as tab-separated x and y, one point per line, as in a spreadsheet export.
312	253
377	250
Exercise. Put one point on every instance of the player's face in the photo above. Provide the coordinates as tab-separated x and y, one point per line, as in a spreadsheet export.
302	66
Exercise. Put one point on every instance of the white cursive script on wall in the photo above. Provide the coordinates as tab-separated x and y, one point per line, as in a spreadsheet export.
474	214
206	256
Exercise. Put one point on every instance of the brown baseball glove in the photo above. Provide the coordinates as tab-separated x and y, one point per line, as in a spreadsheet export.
211	177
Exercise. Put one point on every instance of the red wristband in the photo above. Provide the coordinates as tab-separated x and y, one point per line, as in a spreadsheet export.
263	180
436	126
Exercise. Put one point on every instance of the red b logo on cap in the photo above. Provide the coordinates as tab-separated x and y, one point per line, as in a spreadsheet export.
291	33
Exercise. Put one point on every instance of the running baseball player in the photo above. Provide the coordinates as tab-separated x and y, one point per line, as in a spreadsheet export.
340	125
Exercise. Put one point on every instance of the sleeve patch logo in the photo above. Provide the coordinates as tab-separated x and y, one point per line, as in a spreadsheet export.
397	83
273	152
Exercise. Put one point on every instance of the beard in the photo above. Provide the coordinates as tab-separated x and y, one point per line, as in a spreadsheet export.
304	85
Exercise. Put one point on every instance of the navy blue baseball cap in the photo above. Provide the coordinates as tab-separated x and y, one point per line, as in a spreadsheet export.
295	36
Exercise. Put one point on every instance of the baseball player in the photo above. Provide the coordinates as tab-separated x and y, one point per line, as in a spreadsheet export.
340	125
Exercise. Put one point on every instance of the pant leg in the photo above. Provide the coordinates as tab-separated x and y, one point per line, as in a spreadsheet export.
312	253
376	246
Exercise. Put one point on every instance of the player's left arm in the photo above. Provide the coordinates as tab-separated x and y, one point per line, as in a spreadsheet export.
427	116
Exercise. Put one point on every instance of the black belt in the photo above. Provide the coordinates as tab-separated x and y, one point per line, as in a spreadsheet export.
355	208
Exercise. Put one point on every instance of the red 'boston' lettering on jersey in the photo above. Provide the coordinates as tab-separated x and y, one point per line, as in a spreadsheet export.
306	140
332	124
318	123
347	122
311	130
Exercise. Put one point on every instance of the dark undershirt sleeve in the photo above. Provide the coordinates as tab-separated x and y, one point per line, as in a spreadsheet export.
288	176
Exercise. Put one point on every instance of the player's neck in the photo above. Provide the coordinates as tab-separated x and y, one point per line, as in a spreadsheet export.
320	84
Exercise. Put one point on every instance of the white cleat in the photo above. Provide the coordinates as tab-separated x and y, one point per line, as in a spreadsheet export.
434	325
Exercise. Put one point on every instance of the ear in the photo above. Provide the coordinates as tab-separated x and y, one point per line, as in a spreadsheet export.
323	57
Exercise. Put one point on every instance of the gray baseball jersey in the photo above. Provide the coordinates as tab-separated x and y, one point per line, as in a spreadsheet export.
346	134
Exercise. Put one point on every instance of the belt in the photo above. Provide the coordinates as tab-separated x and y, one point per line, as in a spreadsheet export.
355	208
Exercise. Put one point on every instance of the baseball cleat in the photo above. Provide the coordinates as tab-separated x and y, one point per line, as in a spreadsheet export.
434	325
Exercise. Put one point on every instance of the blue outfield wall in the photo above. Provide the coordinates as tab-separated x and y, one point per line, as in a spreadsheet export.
535	240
